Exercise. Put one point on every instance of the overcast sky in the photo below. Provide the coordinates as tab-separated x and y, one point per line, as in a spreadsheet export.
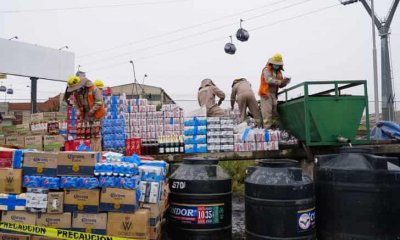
180	42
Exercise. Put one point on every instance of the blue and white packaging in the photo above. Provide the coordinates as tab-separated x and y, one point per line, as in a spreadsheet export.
11	202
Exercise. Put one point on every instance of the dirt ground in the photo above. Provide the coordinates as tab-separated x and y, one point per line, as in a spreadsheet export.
238	217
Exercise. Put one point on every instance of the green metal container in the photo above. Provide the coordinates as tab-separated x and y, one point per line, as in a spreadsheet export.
327	117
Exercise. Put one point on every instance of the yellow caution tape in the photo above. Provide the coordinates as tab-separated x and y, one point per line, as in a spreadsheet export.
56	233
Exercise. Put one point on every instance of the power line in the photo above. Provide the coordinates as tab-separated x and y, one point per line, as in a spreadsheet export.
89	7
181	29
195	34
217	39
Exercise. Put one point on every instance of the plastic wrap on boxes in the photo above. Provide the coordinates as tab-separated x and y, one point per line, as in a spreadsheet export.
195	130
195	148
196	139
41	182
195	121
36	200
79	182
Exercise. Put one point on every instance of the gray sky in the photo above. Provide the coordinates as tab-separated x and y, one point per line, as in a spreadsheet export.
332	44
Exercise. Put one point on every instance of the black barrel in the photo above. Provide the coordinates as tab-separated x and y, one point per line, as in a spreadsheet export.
279	201
200	201
358	196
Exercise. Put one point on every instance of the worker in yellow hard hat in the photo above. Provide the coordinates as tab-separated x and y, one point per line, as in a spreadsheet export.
87	98
271	80
99	84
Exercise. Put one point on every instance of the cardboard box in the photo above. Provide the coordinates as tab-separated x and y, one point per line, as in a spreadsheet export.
77	163
81	201
19	217
36	117
49	116
129	225
90	222
55	202
53	143
11	180
23	129
155	232
34	142
43	238
16	141
155	212
40	163
12	202
118	200
12	236
6	158
60	221
2	139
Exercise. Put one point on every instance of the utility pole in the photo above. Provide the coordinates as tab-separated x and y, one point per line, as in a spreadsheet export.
384	31
34	94
388	112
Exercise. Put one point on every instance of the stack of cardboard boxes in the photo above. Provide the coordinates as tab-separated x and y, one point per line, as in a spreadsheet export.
36	193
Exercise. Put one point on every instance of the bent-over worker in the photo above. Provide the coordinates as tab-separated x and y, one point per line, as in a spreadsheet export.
206	97
88	99
244	96
271	80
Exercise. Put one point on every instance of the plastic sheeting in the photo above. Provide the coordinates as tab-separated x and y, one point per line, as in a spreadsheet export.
385	130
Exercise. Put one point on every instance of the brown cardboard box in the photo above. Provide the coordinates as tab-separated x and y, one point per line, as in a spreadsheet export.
82	201
155	212
36	117
2	139
53	143
62	221
19	217
42	238
10	180
118	200
49	116
90	222
12	236
77	163
129	225
22	129
55	202
34	142
16	140
40	163
155	232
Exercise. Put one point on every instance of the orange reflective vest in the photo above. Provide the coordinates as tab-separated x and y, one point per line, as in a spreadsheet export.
100	113
263	90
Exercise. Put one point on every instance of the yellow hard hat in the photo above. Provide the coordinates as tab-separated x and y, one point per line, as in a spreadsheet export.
99	84
74	83
276	59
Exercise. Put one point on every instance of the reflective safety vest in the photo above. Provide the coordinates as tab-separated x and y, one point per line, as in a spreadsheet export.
100	113
263	90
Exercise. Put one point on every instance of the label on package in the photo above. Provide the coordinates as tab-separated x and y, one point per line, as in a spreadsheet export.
197	214
306	220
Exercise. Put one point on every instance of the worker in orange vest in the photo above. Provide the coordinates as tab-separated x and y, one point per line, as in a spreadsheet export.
271	80
88	99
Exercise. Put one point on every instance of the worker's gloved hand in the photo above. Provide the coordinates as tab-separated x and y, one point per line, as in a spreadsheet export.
220	102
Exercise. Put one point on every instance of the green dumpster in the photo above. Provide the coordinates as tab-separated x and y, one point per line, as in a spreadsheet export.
327	117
